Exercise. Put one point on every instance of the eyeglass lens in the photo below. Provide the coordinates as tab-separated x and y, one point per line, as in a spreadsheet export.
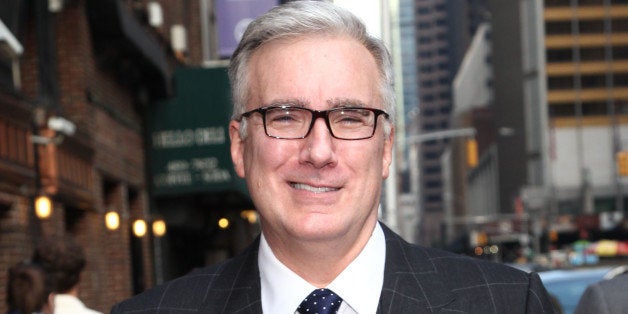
344	123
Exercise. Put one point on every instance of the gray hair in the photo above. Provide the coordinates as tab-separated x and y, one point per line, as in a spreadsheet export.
299	18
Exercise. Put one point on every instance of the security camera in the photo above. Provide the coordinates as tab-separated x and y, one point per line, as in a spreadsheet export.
62	125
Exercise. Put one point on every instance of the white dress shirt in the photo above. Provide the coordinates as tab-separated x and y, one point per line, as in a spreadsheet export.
359	285
68	304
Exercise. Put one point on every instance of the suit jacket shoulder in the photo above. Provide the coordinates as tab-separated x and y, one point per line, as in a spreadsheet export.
605	297
416	280
232	286
426	280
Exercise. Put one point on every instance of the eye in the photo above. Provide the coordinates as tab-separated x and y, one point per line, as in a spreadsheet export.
351	117
285	116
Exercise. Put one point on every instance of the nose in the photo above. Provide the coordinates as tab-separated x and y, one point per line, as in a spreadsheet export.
318	147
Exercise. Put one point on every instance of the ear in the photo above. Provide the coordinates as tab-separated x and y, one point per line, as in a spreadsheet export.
49	306
389	145
237	147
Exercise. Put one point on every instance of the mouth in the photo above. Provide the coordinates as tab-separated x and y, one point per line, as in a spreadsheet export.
313	189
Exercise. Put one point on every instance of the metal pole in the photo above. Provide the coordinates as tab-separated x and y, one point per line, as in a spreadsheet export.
205	31
414	142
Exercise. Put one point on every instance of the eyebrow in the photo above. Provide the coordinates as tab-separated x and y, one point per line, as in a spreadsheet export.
296	102
334	103
346	102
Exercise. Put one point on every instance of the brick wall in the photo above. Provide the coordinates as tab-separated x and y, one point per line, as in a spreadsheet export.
109	145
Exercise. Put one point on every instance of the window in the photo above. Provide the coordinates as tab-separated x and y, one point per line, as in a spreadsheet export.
425	40
619	25
432	170
559	55
428	98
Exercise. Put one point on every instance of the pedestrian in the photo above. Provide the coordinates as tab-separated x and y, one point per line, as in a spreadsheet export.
605	297
63	260
316	184
28	291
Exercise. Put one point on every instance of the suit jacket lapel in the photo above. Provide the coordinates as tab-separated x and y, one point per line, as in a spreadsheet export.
237	287
411	281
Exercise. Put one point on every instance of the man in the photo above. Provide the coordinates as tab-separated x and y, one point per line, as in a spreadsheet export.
63	260
312	135
605	297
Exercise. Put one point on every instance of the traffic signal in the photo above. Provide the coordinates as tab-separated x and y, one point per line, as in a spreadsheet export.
622	163
478	238
472	152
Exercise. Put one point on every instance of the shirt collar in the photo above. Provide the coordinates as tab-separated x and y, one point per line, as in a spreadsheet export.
359	285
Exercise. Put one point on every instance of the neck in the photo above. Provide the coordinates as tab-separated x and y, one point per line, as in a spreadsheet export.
74	291
319	262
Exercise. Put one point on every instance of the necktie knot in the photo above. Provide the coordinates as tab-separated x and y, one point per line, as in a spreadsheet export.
320	301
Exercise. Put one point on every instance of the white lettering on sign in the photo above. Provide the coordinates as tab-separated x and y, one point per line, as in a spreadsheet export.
189	137
216	176
205	163
210	136
179	173
173	179
177	165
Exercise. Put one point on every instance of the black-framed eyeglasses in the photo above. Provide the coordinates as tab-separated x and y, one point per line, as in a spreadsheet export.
346	123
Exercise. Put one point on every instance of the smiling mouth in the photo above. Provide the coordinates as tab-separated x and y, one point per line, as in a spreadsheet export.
313	189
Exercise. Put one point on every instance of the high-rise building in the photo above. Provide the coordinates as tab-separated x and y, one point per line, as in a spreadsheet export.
560	86
587	77
443	32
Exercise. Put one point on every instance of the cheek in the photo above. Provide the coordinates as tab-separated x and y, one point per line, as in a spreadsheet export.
365	162
262	156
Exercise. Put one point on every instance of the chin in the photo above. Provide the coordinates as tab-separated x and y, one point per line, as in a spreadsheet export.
319	230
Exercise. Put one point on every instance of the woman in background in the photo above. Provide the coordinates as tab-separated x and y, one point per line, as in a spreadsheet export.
28	290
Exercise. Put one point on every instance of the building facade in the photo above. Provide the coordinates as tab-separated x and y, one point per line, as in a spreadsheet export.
550	166
76	77
443	33
587	78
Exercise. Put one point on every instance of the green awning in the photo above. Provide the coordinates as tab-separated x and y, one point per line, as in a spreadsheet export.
189	136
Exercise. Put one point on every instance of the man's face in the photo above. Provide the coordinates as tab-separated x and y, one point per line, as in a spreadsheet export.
317	188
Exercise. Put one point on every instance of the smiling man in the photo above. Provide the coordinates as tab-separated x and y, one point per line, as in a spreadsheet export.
312	134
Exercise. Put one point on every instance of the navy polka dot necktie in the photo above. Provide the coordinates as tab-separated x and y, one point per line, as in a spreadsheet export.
320	301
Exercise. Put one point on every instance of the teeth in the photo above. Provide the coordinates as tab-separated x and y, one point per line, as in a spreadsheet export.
301	186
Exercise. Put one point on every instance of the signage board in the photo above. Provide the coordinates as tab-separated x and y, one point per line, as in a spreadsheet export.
188	136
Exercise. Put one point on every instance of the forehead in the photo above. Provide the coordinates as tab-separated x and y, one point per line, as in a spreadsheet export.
317	70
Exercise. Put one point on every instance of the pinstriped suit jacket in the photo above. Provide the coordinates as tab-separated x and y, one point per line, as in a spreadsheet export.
416	280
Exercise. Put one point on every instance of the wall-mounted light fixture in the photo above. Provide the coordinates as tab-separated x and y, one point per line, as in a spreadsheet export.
43	207
55	6
62	127
112	220
250	215
223	223
155	14
139	228
159	228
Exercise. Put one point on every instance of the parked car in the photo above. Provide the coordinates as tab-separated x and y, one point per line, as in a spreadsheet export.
568	285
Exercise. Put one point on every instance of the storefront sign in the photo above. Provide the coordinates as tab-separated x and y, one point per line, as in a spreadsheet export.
189	145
